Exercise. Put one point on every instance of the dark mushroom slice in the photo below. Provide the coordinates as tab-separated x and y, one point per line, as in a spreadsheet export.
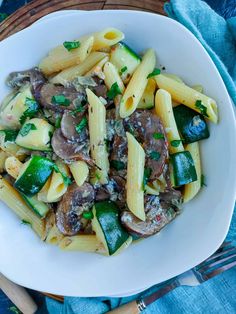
49	90
68	150
69	214
119	156
148	129
69	122
158	214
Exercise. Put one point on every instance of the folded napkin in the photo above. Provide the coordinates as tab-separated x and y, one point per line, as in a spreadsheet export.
218	295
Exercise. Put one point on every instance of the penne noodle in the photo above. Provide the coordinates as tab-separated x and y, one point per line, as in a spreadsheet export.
97	69
163	107
43	194
13	166
112	76
3	157
12	199
97	133
189	97
60	58
78	70
106	38
54	236
134	184
147	100
137	84
80	171
191	189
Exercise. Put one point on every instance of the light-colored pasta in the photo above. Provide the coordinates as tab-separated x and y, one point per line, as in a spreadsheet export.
97	134
137	84
98	69
13	166
43	194
112	76
78	70
106	38
135	171
57	185
191	189
54	236
60	58
13	199
3	157
147	100
151	190
80	171
163	107
188	96
84	243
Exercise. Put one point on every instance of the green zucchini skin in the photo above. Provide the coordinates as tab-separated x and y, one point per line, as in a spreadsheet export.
107	214
32	180
183	168
39	207
192	125
9	135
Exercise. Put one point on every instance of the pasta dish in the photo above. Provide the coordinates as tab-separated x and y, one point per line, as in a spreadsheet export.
99	146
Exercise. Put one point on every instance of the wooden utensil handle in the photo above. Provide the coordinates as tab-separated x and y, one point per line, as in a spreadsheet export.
18	295
128	308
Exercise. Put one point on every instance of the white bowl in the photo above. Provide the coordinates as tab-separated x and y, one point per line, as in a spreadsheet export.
187	241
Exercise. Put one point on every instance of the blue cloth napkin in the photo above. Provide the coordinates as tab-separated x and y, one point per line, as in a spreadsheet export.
218	295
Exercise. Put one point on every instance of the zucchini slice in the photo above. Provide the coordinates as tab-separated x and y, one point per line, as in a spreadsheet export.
39	207
33	175
35	134
184	170
125	60
191	125
108	228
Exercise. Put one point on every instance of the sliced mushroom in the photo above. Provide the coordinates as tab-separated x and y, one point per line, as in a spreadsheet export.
49	90
158	214
70	209
66	149
69	122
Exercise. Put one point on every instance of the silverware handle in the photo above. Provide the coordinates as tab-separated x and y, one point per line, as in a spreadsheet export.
18	295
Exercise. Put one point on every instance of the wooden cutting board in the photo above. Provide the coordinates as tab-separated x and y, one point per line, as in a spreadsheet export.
36	9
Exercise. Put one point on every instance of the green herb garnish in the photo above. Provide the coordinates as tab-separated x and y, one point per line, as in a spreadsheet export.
79	109
146	175
155	155
27	128
176	143
15	310
154	73
88	215
79	127
60	100
3	16
122	70
33	108
114	91
66	179
70	45
25	222
203	180
202	108
98	176
158	136
58	123
118	165
10	135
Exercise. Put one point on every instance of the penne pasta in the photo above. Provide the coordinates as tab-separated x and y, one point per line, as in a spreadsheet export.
13	199
54	236
137	84
78	70
3	157
60	58
147	100
191	189
135	171
13	166
80	171
97	133
163	107
106	38
97	70
43	194
84	243
189	97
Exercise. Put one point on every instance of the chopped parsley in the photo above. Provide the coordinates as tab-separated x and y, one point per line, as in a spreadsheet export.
32	109
80	126
88	215
203	180
60	100
66	179
202	108
10	135
158	136
176	143
3	16
15	310
146	175
154	73
80	108
70	45
58	122
118	165
27	128
154	155
98	176
25	222
130	129
122	70
114	91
